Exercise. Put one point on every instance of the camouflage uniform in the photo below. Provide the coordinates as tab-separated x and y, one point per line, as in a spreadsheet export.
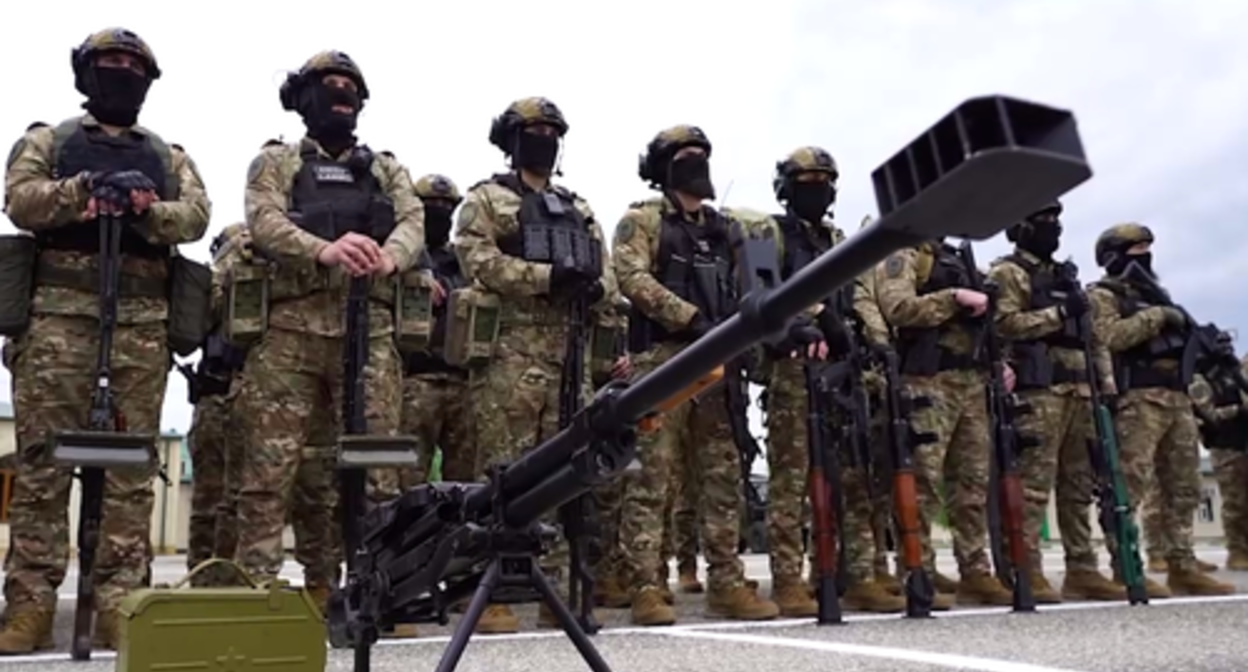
435	394
1040	318
1222	414
49	194
697	433
294	372
917	289
1158	515
681	533
313	511
1156	427
516	397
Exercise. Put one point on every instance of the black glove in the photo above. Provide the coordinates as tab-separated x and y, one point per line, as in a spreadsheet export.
566	280
130	180
106	193
802	333
1174	317
1076	304
834	332
698	326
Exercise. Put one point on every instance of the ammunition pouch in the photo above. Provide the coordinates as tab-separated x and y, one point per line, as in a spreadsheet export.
1137	376
247	288
606	340
18	255
927	357
190	305
473	320
413	311
1035	370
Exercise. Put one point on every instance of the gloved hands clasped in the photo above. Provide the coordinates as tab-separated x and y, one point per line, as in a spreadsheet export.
567	280
119	192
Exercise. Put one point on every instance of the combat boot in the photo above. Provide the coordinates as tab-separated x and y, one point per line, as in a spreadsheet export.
740	603
1042	591
610	594
688	581
1237	561
498	619
888	582
649	608
872	596
1157	565
1195	582
1087	584
944	584
1206	567
28	628
793	597
1152	588
320	597
104	631
983	589
664	589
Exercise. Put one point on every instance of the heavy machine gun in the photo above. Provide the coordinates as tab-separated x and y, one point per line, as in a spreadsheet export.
440	543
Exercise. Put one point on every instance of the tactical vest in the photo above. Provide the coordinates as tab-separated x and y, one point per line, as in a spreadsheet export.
802	245
1138	368
551	229
77	148
445	267
330	198
695	263
919	348
1229	433
1031	361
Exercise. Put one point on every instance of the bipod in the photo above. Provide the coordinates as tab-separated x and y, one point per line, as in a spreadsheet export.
105	444
517	569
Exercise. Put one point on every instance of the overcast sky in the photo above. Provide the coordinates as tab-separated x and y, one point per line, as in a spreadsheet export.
1157	87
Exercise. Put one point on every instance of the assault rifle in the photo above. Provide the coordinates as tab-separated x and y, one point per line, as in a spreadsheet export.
1112	497
827	497
1005	488
106	443
902	440
439	543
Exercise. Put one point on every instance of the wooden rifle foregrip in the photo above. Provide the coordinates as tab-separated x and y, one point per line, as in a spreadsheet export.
906	501
654	421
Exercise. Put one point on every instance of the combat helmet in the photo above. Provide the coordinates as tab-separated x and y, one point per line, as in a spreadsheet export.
1053	209
434	185
521	114
1117	239
110	40
321	64
809	159
651	165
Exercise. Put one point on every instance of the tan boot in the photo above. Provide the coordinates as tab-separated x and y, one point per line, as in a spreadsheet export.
649	608
104	632
983	589
1158	565
320	597
740	603
498	619
872	596
688	581
664	589
401	631
28	628
1043	591
944	584
888	582
1086	584
610	594
1206	567
1237	561
794	598
1196	582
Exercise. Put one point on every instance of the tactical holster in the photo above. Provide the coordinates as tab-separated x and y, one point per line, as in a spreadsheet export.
413	311
247	296
472	328
190	304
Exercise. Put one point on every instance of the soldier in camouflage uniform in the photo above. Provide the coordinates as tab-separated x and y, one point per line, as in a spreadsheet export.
1039	316
435	394
1156	426
658	245
1221	408
516	397
1158	515
683	538
216	447
305	205
57	179
923	294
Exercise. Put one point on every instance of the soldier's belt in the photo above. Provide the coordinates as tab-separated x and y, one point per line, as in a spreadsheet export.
88	280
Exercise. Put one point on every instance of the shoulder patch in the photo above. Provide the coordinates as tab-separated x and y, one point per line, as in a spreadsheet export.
18	148
625	229
256	167
894	265
467	214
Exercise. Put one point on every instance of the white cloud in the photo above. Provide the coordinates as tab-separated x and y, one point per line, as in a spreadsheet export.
1156	86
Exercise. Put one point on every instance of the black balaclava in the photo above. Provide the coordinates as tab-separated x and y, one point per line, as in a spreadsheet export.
535	153
1040	238
437	223
334	130
116	95
811	200
691	174
1119	263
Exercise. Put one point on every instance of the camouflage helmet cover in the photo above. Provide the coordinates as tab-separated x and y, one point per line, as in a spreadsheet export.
434	185
522	113
322	63
111	40
664	146
808	159
1118	238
